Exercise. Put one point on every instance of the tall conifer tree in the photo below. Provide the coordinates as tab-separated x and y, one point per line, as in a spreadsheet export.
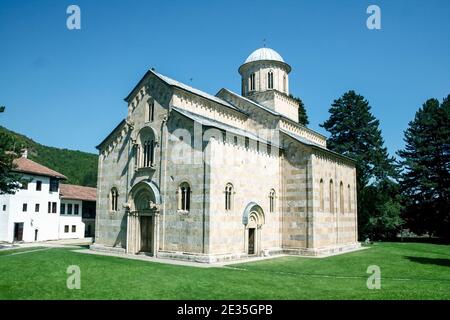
355	133
425	180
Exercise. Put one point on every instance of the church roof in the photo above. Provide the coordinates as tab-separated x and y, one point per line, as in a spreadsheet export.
208	122
195	91
185	87
273	112
264	54
315	145
25	165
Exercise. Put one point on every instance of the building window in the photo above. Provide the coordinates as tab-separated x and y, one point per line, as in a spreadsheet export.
272	200
341	197
284	84
49	208
54	204
228	196
235	141
54	185
269	149
149	148
349	199
331	196
69	208
247	142
150	110
114	196
4	207
36	207
270	80
321	196
252	82
24	207
76	209
184	197
63	208
74	228
66	229
24	185
38	185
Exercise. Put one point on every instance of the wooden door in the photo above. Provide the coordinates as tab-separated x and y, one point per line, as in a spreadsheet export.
18	231
146	233
251	241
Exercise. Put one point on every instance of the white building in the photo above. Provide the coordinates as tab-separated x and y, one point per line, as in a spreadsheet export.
77	211
34	213
31	214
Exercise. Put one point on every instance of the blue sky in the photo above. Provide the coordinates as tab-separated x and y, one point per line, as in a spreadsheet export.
65	88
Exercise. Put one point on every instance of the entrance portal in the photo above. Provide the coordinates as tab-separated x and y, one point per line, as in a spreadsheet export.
253	220
142	223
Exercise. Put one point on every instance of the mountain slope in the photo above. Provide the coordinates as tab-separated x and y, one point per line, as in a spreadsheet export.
79	167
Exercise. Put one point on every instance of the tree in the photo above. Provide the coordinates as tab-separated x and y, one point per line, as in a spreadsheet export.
355	133
425	180
302	116
9	180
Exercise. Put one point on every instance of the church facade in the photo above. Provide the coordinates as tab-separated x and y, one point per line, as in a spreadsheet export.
208	178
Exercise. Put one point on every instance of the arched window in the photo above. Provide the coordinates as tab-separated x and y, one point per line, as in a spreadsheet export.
184	197
228	196
252	82
331	196
150	116
349	199
284	84
341	197
270	80
149	151
272	200
145	149
113	197
321	197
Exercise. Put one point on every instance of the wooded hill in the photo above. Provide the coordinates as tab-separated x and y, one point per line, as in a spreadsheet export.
79	167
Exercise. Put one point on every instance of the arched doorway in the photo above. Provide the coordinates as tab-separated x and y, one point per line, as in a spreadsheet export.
143	218
253	220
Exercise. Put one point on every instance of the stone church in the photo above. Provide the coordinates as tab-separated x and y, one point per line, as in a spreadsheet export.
209	178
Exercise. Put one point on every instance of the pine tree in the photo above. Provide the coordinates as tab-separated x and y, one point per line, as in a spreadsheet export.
355	133
425	180
302	116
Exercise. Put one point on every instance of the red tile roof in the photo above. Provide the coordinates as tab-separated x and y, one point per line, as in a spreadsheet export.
28	166
74	192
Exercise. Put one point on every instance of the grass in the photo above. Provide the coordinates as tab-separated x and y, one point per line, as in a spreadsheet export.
408	271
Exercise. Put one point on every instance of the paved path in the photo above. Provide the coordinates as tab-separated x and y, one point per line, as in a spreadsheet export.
53	244
143	257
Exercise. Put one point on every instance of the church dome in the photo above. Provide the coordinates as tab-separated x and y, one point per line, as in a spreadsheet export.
264	54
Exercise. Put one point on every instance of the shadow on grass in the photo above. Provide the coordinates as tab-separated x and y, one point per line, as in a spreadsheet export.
435	261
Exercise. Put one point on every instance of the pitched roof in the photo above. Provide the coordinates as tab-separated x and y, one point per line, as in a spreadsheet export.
174	83
120	125
316	146
74	192
208	122
26	165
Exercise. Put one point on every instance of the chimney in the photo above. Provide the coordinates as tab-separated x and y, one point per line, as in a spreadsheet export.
25	153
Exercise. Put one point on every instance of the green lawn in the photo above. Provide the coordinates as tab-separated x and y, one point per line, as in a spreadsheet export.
408	271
